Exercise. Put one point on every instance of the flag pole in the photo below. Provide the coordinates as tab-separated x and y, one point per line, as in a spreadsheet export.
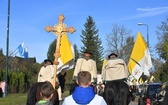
14	52
7	49
16	49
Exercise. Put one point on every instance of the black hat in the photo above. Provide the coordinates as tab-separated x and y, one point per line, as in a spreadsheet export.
112	54
87	51
47	60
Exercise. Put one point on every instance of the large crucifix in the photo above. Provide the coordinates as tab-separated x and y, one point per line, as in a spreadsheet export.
58	30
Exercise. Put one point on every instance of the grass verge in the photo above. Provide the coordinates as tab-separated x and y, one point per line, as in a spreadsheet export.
14	99
19	99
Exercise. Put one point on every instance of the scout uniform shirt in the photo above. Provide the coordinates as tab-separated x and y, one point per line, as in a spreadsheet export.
47	74
115	69
86	65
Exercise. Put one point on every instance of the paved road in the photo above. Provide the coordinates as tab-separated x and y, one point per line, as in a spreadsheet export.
133	103
60	103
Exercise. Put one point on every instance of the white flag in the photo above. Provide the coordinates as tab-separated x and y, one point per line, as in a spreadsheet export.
140	59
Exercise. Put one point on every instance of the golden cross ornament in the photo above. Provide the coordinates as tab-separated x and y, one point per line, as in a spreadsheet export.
59	29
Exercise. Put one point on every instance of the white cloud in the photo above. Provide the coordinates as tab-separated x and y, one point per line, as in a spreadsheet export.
142	12
152	9
146	12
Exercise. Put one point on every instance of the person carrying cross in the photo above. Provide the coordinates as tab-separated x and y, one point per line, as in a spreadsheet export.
46	73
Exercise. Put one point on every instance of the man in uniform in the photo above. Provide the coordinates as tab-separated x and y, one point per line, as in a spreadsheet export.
115	69
86	64
46	73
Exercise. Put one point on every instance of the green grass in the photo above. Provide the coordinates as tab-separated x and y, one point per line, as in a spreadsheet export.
19	99
14	99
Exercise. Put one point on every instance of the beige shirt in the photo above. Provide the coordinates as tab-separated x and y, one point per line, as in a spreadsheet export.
115	69
86	65
46	74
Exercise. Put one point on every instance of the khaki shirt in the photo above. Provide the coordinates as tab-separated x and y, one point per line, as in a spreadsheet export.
115	69
46	74
86	65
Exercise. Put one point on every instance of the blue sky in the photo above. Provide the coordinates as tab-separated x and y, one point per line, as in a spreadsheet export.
28	18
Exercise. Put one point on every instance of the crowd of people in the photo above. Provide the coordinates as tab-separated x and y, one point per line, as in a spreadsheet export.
87	80
90	87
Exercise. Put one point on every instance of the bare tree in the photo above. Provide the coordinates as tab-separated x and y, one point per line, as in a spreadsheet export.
118	40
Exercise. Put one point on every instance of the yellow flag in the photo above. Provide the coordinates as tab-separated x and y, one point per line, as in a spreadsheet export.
66	60
151	79
140	81
140	59
104	62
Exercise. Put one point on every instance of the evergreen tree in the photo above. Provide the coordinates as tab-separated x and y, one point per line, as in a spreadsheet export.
127	49
51	50
1	52
76	52
2	59
92	42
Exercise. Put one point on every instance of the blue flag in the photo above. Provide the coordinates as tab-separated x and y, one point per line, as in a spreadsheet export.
25	54
21	49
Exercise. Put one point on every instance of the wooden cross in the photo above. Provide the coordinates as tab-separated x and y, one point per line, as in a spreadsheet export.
58	30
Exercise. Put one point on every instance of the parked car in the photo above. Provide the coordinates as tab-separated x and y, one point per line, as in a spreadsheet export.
151	94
